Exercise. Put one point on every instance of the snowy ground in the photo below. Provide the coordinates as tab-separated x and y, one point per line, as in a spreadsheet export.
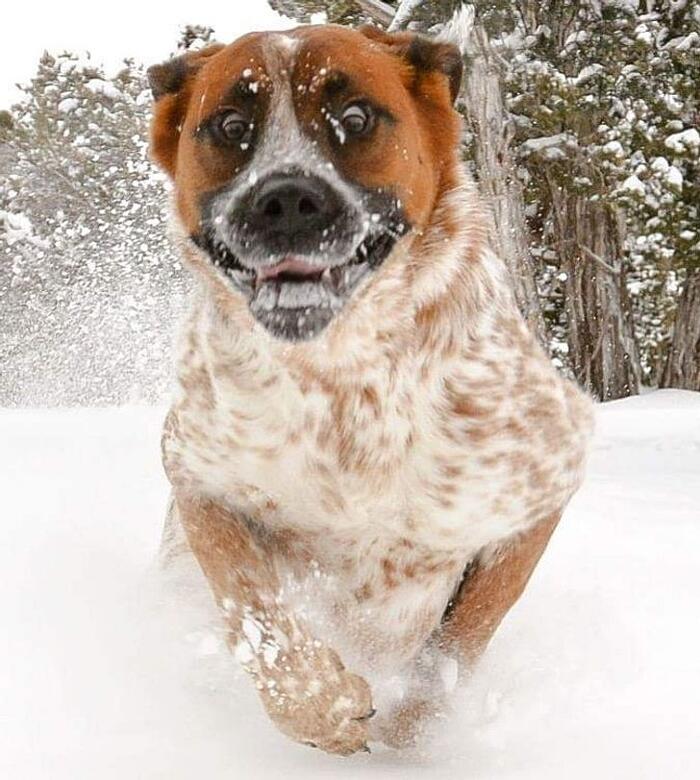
104	675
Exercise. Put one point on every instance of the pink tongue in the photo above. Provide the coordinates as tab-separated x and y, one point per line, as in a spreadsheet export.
292	265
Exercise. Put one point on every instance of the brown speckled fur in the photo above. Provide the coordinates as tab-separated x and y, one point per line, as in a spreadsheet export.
335	491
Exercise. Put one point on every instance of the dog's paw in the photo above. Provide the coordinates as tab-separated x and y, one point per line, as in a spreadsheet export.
316	701
405	726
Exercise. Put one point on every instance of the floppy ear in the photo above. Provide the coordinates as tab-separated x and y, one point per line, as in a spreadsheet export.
170	84
425	55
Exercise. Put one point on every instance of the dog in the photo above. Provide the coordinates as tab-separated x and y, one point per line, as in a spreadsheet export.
367	448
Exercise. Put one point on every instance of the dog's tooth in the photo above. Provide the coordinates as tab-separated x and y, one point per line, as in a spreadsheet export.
336	275
326	275
266	297
355	273
241	279
301	294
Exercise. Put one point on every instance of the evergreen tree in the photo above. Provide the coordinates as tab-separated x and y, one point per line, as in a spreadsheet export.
87	276
336	11
195	36
597	90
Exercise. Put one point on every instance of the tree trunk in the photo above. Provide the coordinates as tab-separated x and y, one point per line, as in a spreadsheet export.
682	368
602	346
491	127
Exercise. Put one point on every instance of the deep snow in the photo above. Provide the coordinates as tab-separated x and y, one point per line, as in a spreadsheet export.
107	673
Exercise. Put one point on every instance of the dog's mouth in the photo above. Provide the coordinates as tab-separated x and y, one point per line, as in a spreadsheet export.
296	296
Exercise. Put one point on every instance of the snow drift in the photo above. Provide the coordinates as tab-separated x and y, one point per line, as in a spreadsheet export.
108	672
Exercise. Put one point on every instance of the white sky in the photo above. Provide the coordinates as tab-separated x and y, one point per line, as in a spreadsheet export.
144	30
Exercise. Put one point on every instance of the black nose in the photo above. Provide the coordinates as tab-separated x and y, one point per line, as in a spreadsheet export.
293	204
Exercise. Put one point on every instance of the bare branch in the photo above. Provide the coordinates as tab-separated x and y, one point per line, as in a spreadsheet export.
404	13
381	12
599	260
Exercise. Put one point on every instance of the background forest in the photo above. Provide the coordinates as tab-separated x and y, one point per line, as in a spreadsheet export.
582	126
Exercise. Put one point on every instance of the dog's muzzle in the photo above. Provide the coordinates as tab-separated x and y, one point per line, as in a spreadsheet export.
297	248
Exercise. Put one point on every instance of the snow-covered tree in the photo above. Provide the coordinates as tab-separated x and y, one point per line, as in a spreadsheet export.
87	276
337	11
564	63
195	36
603	92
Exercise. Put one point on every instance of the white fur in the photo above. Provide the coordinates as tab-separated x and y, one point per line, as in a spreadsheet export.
251	451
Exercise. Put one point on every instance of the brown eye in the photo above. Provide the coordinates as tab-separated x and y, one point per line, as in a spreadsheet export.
357	119
234	127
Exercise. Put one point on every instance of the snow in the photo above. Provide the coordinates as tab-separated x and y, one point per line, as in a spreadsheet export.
550	146
587	73
643	34
685	42
614	148
678	142
102	87
18	227
110	672
633	184
67	105
660	165
674	177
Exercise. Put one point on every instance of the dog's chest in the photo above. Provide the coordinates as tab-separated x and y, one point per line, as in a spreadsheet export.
331	478
379	488
450	460
298	455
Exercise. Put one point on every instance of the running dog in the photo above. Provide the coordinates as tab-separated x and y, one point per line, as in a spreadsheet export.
367	448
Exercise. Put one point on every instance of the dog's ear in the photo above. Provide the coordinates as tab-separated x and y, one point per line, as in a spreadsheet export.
425	55
170	83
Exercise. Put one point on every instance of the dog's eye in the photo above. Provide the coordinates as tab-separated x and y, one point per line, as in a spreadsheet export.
234	127
357	119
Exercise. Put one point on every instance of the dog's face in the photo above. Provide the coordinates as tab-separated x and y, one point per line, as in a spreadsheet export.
300	160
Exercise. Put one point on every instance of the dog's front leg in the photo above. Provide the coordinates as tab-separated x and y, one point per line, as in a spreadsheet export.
303	684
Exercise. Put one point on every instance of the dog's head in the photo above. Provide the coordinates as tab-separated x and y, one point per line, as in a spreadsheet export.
300	159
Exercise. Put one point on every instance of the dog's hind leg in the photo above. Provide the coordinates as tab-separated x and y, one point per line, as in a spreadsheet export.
173	540
424	700
491	585
303	684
